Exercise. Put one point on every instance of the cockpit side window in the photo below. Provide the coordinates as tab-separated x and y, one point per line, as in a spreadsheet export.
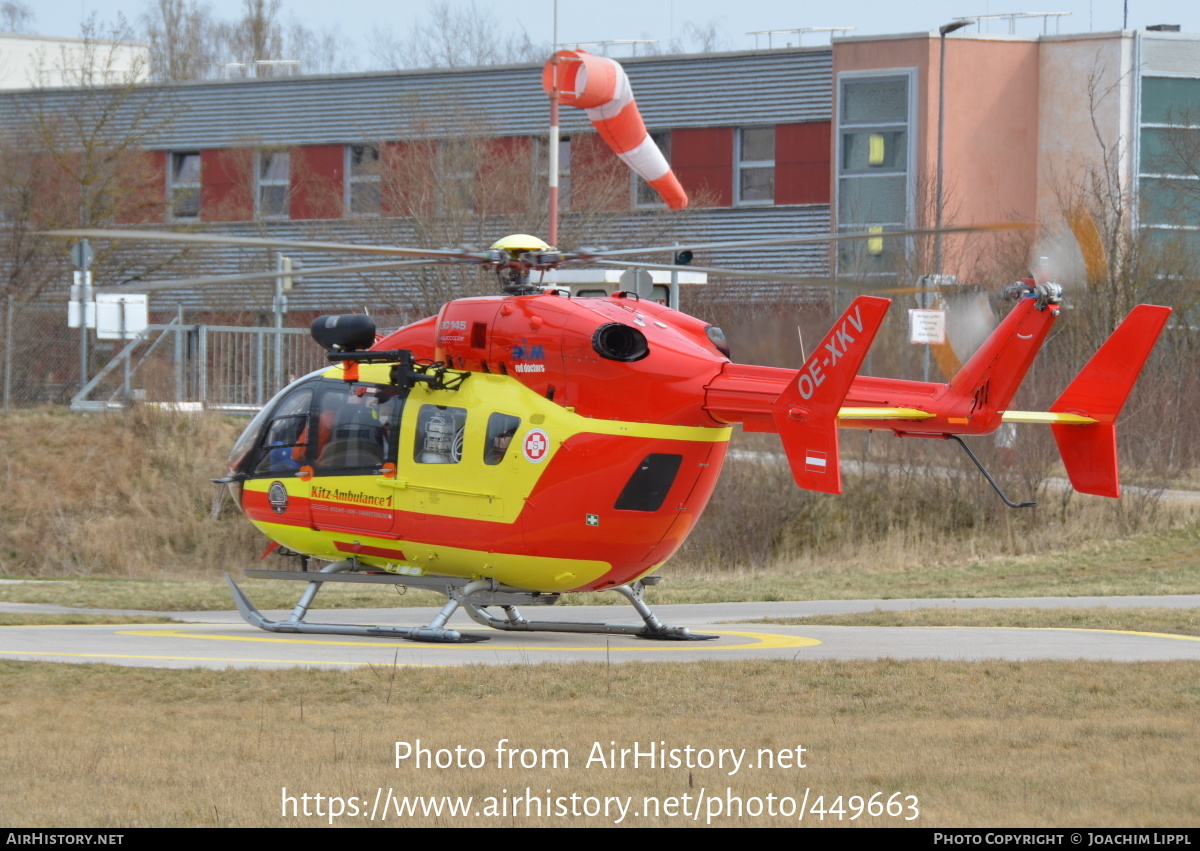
356	428
284	444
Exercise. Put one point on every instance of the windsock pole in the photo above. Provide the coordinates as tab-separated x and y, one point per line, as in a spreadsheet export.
553	165
553	153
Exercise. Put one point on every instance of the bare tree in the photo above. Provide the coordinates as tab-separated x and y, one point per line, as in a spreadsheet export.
318	53
454	36
15	17
256	36
188	43
183	38
1124	260
1098	197
708	37
449	181
75	157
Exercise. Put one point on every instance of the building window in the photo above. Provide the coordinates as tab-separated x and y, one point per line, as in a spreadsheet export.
273	184
1169	163
183	188
644	195
362	180
873	164
755	173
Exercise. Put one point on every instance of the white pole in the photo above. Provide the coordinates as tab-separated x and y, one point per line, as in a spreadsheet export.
553	159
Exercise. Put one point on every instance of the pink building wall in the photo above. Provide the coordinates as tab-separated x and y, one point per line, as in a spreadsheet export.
990	152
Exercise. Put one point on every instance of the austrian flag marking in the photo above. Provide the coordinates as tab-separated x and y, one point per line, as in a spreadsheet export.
536	445
815	462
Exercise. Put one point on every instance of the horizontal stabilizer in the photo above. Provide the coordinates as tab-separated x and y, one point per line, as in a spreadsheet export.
883	414
1045	418
1089	451
806	412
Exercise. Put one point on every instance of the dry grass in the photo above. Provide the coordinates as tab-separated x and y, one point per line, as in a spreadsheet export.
1159	620
917	503
1028	744
168	595
1164	563
116	495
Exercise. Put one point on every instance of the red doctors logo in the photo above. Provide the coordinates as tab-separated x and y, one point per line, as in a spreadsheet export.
536	445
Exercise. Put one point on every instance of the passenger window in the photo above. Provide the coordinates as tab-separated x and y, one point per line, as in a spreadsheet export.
500	431
440	432
356	429
284	446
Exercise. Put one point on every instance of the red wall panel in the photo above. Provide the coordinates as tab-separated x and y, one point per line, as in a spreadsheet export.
802	164
227	185
317	181
504	176
408	186
144	188
599	181
703	161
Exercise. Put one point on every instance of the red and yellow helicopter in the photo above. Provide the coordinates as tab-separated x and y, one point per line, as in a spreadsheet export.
518	447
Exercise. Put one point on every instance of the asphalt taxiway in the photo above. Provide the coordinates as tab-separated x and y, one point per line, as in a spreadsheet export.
222	639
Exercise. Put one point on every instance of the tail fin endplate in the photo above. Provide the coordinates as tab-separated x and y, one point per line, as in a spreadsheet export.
1089	452
805	413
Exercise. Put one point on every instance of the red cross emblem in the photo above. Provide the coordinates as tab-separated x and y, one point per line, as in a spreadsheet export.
536	445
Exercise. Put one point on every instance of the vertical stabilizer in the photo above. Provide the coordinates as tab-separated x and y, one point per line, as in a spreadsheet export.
806	411
1089	452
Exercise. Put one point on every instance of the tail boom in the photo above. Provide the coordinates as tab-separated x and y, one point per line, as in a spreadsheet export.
807	406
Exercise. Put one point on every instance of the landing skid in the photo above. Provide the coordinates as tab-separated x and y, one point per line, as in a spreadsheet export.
473	596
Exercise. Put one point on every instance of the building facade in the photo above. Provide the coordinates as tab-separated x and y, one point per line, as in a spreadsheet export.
783	142
1090	132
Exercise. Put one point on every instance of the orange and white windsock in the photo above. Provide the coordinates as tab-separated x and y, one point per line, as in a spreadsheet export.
598	85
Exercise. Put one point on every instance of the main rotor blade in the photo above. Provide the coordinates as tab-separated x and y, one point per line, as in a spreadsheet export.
863	285
811	280
251	277
257	242
807	240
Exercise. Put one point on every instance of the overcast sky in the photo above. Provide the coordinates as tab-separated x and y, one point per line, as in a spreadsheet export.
588	20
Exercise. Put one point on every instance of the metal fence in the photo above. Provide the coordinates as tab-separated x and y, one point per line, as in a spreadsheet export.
175	361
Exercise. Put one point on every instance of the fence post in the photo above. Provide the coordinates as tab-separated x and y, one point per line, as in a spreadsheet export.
8	348
203	353
179	339
258	368
127	350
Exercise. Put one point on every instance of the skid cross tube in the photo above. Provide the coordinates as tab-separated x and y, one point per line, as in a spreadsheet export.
473	596
653	628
